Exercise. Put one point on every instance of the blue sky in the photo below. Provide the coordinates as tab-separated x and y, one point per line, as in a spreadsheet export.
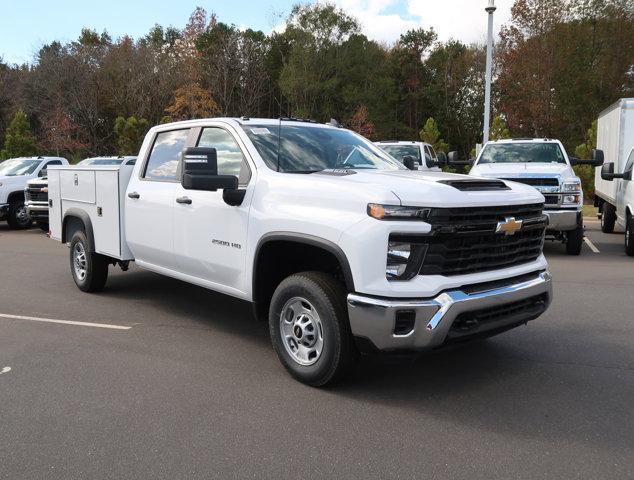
25	25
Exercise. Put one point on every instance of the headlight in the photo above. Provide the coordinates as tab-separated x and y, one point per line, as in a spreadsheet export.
404	259
569	199
571	187
397	212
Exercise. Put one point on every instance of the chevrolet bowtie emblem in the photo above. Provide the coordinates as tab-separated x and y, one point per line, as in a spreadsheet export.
509	226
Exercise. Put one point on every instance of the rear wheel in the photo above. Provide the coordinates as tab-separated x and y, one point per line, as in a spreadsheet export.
89	269
18	218
308	324
574	240
629	236
608	217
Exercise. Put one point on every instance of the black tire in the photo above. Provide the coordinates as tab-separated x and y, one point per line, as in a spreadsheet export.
94	266
608	217
42	225
629	236
17	217
574	240
326	298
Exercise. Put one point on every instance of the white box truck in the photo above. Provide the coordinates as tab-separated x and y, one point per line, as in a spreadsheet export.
615	136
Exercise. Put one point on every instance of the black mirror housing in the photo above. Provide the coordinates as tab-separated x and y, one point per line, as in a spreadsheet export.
43	173
597	157
409	162
200	171
454	159
607	172
441	159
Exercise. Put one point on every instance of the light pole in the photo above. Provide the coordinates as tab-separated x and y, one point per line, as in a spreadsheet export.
487	81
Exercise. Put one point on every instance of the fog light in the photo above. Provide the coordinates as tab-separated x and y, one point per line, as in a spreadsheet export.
404	322
571	199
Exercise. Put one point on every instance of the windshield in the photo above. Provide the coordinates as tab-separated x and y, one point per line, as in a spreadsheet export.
101	161
400	151
308	149
522	153
18	166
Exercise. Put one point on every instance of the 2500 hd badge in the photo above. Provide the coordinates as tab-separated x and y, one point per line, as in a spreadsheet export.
224	243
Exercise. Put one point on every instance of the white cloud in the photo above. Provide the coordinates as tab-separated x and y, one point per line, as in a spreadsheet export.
465	20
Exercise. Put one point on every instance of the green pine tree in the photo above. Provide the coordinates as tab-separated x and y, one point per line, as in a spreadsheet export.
129	133
586	172
430	134
19	140
499	129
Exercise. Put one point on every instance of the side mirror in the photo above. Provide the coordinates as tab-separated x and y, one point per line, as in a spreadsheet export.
409	162
200	171
454	159
43	173
596	159
607	172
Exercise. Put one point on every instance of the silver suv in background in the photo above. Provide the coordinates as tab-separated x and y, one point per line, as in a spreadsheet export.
421	154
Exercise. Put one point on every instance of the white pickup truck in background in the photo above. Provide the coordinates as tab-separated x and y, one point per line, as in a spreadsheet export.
414	155
339	246
543	164
14	175
613	184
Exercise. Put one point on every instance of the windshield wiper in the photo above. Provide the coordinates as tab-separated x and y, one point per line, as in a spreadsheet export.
304	171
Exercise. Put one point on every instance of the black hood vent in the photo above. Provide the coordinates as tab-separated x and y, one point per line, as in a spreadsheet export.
476	185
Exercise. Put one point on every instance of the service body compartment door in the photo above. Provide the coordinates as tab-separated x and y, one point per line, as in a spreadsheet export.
106	220
78	185
55	205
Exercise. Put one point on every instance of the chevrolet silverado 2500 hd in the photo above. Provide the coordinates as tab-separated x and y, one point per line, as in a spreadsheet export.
14	175
543	164
339	246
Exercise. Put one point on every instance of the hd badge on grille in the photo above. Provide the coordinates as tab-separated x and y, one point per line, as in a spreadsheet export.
509	226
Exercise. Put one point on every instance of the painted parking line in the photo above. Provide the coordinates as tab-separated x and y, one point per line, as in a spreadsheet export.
5	370
591	245
65	322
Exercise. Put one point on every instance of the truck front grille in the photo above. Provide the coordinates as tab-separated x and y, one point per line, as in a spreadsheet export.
464	240
536	181
35	194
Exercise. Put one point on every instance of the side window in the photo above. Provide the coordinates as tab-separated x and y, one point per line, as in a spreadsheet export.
629	166
231	161
165	155
53	162
432	153
428	155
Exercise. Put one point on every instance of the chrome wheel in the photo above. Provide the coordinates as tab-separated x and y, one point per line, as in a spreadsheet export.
79	261
301	331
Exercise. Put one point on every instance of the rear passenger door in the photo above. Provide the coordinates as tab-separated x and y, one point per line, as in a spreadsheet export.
149	202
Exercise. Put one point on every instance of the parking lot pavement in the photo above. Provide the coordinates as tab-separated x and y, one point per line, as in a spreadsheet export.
192	389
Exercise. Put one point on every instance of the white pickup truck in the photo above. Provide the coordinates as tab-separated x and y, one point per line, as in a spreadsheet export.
414	155
337	244
544	164
14	175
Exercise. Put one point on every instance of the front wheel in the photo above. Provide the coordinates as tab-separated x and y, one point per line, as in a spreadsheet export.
18	217
574	240
308	324
43	225
89	269
629	236
608	218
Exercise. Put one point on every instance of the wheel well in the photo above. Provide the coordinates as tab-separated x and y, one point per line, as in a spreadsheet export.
15	197
277	259
70	226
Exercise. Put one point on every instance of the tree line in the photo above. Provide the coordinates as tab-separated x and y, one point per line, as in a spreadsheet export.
558	63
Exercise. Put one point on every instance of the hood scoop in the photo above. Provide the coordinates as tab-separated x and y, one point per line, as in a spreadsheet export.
476	185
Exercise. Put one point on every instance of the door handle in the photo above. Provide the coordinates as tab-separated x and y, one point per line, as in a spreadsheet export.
185	200
134	195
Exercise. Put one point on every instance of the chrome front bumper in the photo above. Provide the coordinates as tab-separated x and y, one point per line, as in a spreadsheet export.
374	318
561	220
